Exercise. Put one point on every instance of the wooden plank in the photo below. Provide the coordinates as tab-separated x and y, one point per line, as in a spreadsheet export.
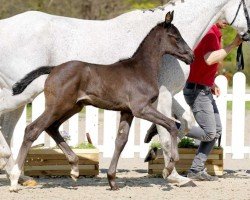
93	157
157	161
215	162
209	167
191	156
185	161
59	151
208	162
185	167
57	162
193	151
58	167
59	173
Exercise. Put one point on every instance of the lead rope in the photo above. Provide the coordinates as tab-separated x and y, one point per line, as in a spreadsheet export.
240	58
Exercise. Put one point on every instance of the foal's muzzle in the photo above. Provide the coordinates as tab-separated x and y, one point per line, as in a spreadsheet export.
189	58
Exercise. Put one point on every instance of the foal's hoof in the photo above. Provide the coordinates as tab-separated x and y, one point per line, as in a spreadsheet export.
14	189
113	185
74	174
114	188
74	177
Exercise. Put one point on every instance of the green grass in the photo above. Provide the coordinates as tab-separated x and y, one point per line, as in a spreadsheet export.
155	144
28	112
85	145
186	143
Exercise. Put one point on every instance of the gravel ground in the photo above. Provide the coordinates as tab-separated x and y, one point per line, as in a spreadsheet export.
134	183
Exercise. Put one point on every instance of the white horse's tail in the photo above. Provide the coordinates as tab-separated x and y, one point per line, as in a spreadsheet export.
20	86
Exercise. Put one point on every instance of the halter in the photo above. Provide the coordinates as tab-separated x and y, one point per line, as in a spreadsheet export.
245	36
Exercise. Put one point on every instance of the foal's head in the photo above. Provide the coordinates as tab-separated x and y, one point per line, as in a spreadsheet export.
171	41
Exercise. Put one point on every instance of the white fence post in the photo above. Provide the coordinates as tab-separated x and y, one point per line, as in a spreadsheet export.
144	126
238	115
109	133
38	107
92	123
221	102
73	130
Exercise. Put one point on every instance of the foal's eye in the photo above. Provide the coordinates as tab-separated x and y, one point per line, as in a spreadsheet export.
178	39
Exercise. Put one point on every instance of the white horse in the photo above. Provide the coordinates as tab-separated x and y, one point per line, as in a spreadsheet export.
35	39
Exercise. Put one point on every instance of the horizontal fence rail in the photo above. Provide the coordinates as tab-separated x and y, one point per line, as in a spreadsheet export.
102	125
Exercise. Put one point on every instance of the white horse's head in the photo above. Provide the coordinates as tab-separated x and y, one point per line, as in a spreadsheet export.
236	12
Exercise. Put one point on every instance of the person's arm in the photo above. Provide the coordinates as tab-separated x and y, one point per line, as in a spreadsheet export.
219	55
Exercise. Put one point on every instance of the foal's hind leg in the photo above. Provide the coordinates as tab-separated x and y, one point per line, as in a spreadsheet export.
32	132
120	142
71	156
54	133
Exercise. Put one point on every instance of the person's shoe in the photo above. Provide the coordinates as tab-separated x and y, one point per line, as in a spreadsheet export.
201	176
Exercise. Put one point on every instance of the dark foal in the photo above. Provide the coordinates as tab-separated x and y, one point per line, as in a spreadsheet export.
129	86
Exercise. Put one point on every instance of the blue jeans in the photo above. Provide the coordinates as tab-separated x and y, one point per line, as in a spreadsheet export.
207	116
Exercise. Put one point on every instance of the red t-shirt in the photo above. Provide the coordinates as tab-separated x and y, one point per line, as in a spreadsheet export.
200	72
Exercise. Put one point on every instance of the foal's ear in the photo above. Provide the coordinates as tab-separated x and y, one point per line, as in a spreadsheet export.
169	18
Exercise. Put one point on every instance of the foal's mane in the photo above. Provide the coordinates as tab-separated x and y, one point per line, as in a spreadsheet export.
143	41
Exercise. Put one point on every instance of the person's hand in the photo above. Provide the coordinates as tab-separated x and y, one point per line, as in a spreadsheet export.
215	90
237	40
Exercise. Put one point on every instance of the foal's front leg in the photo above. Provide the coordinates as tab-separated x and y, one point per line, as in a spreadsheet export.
120	142
148	112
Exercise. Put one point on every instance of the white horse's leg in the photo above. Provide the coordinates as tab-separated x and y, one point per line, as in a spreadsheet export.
183	114
9	102
165	107
5	152
8	123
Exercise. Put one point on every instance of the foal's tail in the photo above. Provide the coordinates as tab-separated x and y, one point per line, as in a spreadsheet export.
20	86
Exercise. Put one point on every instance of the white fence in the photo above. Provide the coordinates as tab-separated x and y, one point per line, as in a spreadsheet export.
103	125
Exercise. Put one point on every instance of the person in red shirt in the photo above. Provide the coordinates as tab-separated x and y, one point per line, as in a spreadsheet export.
198	93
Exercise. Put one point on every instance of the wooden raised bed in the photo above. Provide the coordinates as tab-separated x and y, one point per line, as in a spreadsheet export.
52	162
214	163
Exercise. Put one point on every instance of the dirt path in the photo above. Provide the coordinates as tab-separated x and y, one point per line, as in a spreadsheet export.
134	183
